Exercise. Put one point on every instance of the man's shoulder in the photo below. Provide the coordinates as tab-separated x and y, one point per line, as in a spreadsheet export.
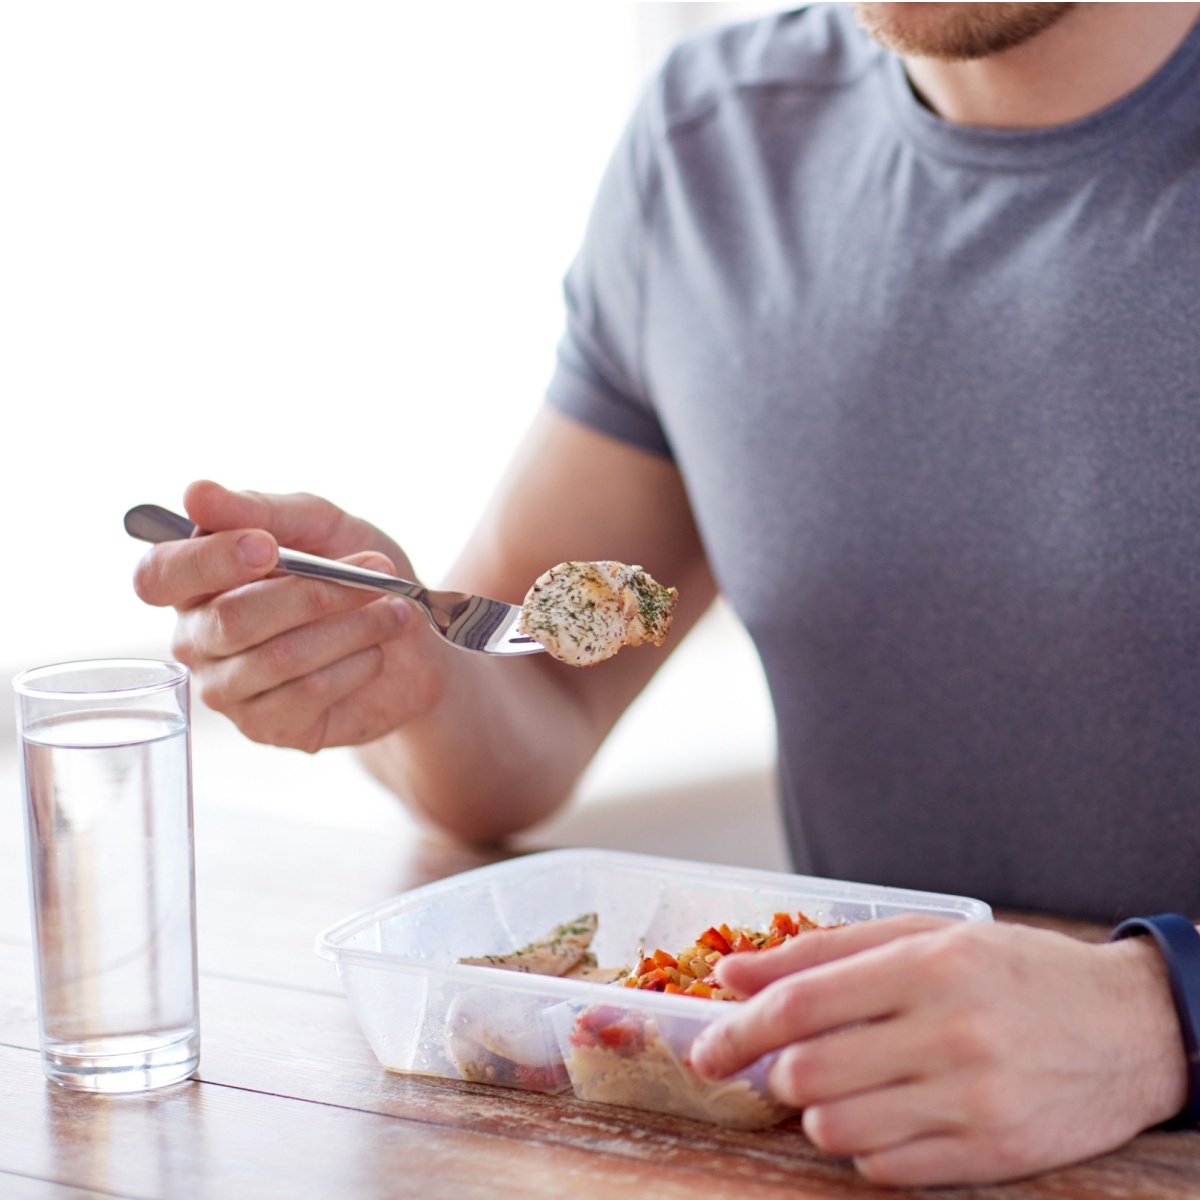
817	47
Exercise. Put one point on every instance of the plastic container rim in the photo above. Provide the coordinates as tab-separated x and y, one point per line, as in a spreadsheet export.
176	673
328	943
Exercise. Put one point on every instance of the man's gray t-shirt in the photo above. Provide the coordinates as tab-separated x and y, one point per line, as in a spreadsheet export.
935	395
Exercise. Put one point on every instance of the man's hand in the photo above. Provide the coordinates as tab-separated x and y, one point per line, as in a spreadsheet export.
934	1052
293	662
480	745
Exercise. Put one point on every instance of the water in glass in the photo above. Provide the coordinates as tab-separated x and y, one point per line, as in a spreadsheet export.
110	834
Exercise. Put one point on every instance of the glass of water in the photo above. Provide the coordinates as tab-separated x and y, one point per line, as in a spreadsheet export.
106	775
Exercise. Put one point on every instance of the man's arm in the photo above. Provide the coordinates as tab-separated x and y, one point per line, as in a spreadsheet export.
482	746
509	738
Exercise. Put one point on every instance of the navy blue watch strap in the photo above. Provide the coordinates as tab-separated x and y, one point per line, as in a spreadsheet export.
1180	945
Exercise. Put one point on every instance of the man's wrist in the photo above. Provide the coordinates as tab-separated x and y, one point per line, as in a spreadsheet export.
1154	1027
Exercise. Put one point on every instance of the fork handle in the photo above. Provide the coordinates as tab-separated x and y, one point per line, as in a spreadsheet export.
152	523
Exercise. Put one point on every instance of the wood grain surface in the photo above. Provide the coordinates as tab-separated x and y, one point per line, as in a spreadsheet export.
290	1101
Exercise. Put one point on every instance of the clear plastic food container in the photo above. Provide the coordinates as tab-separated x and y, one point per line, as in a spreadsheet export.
425	1013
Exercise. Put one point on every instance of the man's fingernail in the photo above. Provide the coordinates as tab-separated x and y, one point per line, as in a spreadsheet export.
402	608
255	550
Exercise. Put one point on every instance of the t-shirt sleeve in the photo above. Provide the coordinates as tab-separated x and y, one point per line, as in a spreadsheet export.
598	377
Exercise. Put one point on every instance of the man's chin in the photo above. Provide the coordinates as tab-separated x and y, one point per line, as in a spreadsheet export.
956	32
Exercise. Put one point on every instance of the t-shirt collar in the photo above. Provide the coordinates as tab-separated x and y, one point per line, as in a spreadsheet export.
1031	149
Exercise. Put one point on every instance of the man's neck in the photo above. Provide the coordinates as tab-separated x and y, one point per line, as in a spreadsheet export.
1091	58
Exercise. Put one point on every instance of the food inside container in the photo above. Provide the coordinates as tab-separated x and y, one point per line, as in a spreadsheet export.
425	1012
501	1039
621	1056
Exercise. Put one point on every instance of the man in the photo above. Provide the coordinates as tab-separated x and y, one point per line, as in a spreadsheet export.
898	350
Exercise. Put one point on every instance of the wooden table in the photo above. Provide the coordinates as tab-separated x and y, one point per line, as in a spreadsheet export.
290	1102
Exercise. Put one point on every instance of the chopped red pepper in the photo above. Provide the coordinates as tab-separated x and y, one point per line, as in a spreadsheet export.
715	940
627	1039
599	1016
783	926
611	1028
663	959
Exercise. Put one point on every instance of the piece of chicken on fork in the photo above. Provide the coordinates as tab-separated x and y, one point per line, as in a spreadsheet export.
584	612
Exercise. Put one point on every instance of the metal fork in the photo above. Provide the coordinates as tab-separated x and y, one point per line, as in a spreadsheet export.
469	622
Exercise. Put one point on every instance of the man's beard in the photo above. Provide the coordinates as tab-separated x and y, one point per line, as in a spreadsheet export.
955	32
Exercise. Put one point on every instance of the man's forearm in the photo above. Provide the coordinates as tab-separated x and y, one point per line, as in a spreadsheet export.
500	750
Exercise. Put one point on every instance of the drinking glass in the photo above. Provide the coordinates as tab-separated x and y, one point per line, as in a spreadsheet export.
106	776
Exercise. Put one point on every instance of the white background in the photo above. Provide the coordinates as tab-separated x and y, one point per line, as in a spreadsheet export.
308	247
